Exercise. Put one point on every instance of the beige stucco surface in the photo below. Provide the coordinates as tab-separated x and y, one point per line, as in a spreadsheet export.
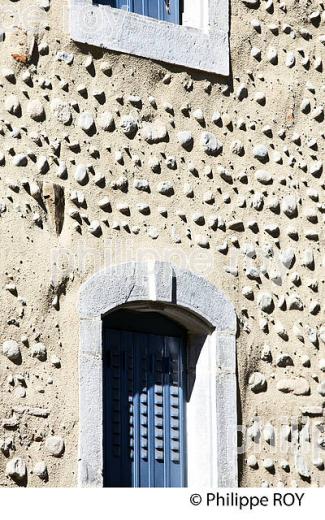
207	225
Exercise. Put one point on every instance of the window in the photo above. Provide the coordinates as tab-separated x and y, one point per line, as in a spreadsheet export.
189	33
166	10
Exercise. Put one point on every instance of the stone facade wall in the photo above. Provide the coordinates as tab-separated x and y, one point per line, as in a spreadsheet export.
110	158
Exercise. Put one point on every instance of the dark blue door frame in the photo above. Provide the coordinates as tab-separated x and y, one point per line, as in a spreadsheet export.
144	401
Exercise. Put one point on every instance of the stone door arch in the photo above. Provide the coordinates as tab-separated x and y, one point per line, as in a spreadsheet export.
210	321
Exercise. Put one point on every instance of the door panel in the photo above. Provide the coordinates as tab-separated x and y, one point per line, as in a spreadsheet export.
144	412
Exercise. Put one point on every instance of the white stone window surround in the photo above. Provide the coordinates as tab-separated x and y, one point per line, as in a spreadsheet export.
211	409
205	48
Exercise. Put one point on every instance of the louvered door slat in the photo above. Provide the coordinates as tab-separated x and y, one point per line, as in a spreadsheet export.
157	425
141	390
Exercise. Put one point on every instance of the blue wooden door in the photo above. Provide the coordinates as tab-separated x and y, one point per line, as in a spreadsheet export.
144	412
166	10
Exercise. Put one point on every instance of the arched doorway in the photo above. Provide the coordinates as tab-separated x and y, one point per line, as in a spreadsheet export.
209	320
144	400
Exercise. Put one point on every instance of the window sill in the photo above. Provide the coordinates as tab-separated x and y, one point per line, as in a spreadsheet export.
122	31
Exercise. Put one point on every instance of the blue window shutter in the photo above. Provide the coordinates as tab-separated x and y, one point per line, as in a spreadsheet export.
166	10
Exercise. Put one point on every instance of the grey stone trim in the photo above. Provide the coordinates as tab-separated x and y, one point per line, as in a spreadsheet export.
158	282
133	281
90	470
226	410
119	30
